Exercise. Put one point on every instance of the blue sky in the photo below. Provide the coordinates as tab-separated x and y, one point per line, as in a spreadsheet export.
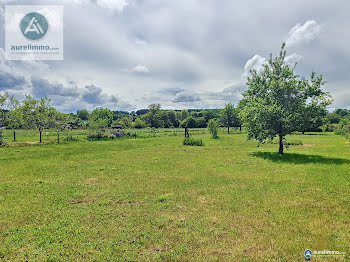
126	54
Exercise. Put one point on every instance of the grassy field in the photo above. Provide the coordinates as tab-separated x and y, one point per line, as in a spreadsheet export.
155	199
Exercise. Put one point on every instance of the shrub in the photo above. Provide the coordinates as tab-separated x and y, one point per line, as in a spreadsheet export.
213	127
192	142
100	136
117	134
2	139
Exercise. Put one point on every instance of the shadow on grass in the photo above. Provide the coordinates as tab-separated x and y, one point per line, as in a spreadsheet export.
300	158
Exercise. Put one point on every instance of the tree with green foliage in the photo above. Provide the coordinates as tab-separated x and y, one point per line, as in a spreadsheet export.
332	118
83	114
125	121
213	127
100	118
190	123
139	123
229	117
201	123
153	117
211	114
277	98
172	118
32	113
184	114
312	118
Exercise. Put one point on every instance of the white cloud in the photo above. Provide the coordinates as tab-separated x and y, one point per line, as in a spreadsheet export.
303	33
293	58
141	69
255	63
114	5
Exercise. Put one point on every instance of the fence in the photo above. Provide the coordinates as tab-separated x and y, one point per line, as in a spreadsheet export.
53	136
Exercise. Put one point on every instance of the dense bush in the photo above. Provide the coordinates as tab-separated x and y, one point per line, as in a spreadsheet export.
192	142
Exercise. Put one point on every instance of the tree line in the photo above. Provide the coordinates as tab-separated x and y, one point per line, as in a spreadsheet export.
277	102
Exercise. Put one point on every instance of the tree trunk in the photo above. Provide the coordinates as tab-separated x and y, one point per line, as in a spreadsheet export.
281	144
186	132
58	137
240	128
14	136
40	137
228	129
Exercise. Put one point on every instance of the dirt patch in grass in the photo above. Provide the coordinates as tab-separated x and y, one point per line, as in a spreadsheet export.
91	181
157	248
307	145
126	203
81	201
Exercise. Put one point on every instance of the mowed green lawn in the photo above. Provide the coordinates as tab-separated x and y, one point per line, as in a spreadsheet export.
154	199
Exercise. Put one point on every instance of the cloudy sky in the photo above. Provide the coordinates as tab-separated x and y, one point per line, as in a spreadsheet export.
127	54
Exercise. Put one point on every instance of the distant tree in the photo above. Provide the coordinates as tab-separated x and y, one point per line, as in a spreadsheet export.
139	123
312	118
277	98
125	121
201	123
83	114
153	116
211	114
213	127
342	112
100	118
333	118
184	114
229	117
165	119
172	118
141	112
190	123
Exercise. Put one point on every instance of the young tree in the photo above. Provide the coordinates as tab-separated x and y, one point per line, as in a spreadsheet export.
36	114
213	127
277	98
229	117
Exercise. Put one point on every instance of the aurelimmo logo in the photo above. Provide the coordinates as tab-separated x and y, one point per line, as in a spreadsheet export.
34	26
34	32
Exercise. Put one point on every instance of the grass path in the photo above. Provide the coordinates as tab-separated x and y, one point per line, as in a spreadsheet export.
155	199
